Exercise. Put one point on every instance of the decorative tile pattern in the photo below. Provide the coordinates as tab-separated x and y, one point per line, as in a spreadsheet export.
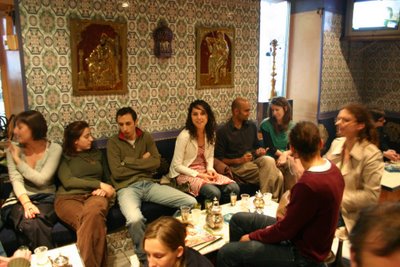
160	90
366	72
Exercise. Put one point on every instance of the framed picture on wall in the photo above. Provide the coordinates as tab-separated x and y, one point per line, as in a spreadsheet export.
98	51
215	51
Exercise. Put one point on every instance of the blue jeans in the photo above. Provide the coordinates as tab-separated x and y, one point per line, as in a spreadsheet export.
255	253
221	192
130	199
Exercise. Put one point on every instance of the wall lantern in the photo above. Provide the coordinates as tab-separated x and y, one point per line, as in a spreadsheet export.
163	40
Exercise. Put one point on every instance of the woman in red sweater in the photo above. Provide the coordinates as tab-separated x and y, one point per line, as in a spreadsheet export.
303	237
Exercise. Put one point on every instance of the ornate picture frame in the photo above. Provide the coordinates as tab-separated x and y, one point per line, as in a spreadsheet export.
99	59
215	50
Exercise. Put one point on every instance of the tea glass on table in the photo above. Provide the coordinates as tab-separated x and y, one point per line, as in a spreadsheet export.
244	203
41	255
185	212
196	213
267	198
233	198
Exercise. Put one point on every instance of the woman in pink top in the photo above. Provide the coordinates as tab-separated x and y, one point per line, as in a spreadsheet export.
194	156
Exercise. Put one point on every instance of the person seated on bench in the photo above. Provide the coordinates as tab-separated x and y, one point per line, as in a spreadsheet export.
378	115
238	147
84	195
164	243
275	131
133	157
356	153
32	164
193	158
303	237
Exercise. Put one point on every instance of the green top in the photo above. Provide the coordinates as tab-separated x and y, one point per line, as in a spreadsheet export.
126	161
273	140
81	174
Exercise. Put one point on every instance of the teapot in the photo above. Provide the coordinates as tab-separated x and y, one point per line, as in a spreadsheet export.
61	261
259	202
214	219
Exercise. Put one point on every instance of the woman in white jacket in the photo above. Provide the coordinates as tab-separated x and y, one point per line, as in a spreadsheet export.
194	156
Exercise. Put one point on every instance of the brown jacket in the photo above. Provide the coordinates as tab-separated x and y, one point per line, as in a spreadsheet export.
362	176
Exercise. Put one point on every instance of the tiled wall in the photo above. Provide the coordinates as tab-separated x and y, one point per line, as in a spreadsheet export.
342	71
356	71
159	89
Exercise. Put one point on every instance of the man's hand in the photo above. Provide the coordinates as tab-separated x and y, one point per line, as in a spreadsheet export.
146	155
261	151
245	238
246	158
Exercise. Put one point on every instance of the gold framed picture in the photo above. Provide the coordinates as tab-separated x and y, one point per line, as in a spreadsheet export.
99	60
215	57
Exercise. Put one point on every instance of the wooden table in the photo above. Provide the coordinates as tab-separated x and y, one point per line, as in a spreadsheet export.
390	184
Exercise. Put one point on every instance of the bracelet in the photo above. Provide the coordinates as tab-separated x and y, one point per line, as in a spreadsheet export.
23	204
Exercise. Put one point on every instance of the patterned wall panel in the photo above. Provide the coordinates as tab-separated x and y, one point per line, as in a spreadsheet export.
361	71
342	69
160	90
382	75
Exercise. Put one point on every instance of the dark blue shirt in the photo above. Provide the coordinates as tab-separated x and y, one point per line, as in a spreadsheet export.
233	143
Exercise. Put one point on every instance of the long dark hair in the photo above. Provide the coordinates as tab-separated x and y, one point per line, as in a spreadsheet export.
35	122
72	133
170	232
211	123
287	117
362	115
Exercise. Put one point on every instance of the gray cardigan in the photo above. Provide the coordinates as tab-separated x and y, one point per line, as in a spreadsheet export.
30	181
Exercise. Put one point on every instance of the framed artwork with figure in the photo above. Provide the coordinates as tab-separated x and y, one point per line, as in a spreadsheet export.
99	60
215	57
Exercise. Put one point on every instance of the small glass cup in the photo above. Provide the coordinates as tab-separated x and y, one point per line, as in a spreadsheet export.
185	212
196	213
41	255
267	198
233	198
244	202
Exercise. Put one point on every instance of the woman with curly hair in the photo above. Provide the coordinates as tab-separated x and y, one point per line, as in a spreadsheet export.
194	156
359	159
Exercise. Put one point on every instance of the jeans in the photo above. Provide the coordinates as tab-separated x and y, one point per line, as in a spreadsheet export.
221	192
255	253
130	199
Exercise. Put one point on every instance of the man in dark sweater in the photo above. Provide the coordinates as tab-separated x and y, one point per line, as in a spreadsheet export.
303	237
238	147
133	157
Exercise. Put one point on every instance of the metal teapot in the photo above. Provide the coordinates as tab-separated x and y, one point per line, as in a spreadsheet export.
61	261
214	219
259	202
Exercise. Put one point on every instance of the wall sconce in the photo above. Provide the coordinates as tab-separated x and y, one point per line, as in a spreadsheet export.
163	40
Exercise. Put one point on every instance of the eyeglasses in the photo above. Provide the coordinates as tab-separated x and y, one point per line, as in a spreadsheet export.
344	120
